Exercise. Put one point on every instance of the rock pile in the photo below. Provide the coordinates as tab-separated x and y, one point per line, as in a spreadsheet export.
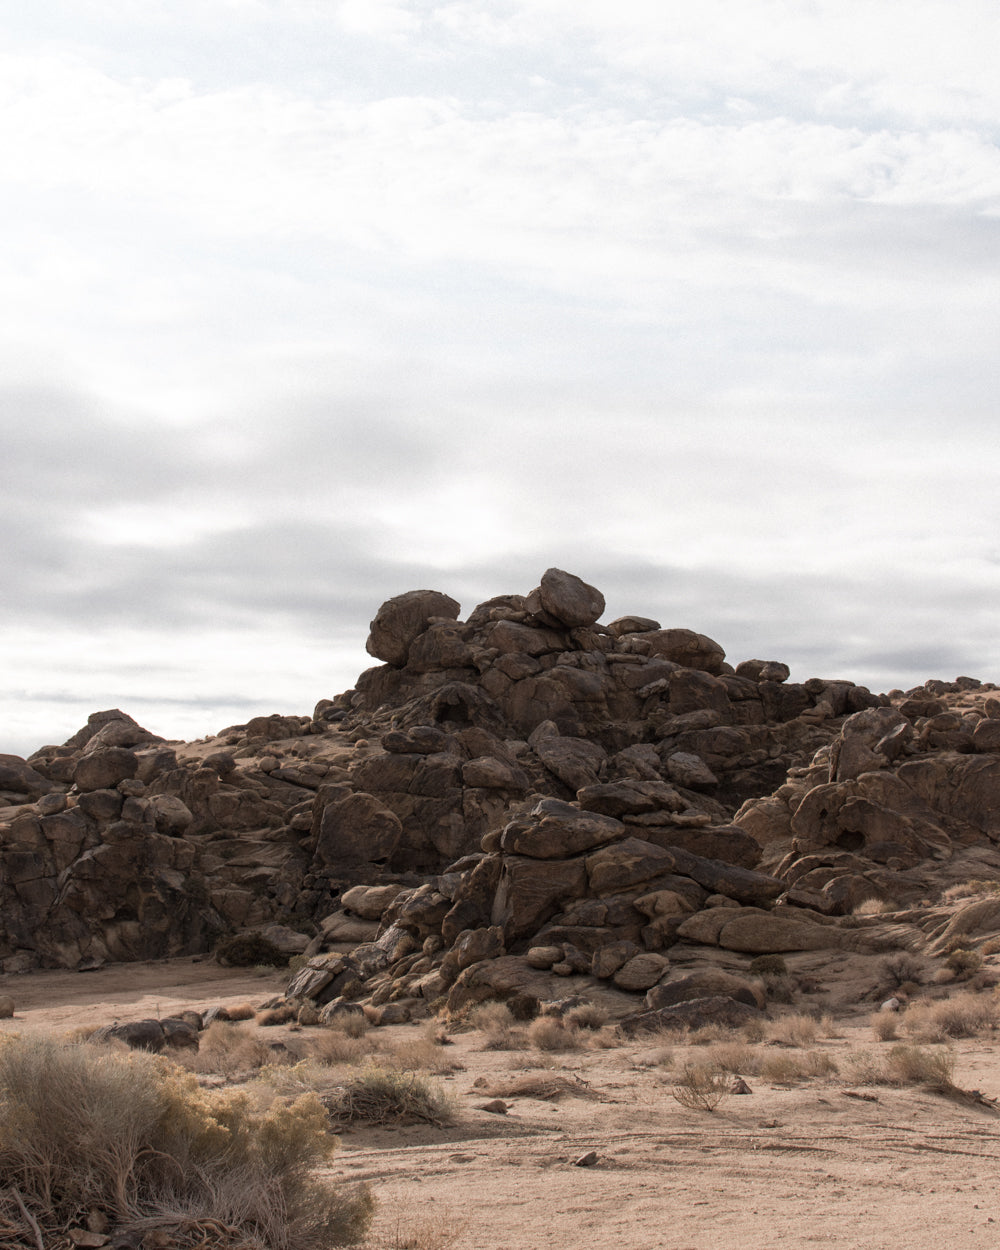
521	797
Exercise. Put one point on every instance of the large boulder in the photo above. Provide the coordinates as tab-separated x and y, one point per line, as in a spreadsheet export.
570	600
402	619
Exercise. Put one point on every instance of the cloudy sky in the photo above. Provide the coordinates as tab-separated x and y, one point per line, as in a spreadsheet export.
308	303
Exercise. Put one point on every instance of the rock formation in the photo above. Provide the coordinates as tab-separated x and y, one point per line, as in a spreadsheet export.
520	797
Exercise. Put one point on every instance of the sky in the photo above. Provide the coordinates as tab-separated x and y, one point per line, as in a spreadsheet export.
308	303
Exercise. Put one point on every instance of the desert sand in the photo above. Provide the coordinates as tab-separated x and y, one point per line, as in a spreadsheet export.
819	1161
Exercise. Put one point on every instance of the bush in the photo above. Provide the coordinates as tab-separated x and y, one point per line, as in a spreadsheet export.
964	1015
768	965
133	1137
964	962
388	1096
249	950
899	969
903	1065
550	1033
701	1087
797	1030
885	1025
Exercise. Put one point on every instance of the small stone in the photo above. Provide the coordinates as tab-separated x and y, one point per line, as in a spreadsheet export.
586	1161
739	1086
496	1106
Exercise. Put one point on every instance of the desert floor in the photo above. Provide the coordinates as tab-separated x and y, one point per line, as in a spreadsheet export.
818	1161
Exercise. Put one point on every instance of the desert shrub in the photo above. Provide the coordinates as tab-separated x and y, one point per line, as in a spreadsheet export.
242	1011
380	1095
423	1054
332	1047
885	1025
250	950
902	1065
753	1030
350	1023
552	1033
970	889
227	1049
272	1016
963	1015
796	1030
605	1038
587	1016
779	988
786	1067
734	1057
701	1087
496	1023
436	1231
964	962
898	969
133	1137
768	965
873	907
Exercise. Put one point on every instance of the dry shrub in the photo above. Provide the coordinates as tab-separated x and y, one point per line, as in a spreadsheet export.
606	1038
546	1088
332	1047
275	1015
551	1033
970	889
779	989
496	1022
133	1137
768	966
753	1031
701	1087
734	1057
380	1095
587	1016
963	1015
783	1067
437	1231
964	962
885	1025
899	969
423	1054
351	1023
873	907
902	1065
797	1030
242	1011
227	1049
991	946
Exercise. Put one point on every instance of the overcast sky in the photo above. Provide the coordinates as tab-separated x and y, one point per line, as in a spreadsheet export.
310	303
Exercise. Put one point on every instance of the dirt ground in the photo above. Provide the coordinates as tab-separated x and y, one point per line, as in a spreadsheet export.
814	1162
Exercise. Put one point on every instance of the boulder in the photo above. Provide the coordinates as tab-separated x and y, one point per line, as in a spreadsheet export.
104	769
698	1013
357	829
571	601
555	830
402	619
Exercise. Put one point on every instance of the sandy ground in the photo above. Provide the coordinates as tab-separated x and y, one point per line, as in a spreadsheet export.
816	1163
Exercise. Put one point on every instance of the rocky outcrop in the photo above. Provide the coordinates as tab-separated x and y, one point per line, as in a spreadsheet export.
527	784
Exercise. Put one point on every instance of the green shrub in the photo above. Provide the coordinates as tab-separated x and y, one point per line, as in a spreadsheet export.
133	1137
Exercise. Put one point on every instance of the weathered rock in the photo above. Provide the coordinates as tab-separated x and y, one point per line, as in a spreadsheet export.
400	620
17	776
760	933
357	829
104	769
555	830
706	983
569	599
641	971
698	1013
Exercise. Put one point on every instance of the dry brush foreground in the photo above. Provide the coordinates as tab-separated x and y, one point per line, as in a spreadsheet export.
844	1140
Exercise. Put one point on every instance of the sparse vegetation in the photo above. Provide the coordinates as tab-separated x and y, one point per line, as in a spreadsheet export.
885	1025
768	965
250	950
134	1138
972	888
902	1065
381	1095
794	1030
963	1015
964	962
701	1087
552	1033
900	969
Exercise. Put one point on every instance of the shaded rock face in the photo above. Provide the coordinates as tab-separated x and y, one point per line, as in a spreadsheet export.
527	780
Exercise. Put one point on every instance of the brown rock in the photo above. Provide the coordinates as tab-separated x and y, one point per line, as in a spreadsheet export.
402	619
698	1013
104	769
570	600
641	971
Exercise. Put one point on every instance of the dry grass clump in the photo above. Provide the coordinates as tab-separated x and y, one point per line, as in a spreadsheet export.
701	1086
545	1088
350	1023
134	1138
552	1033
963	1015
425	1054
885	1025
227	1049
902	1065
900	969
963	962
381	1095
785	1068
794	1030
332	1047
970	889
499	1029
242	1011
734	1057
873	907
271	1016
437	1231
587	1016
